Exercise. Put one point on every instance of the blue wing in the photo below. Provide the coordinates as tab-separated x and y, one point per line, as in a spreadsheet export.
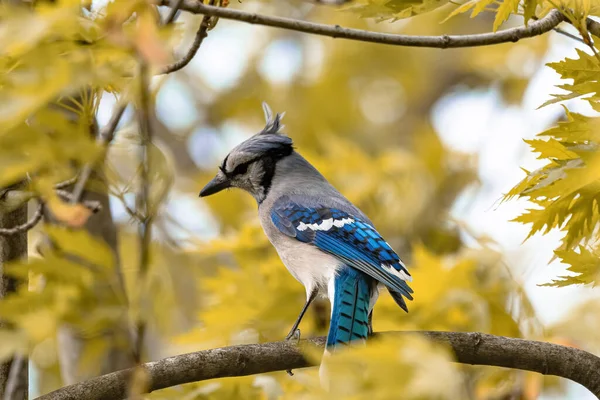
346	237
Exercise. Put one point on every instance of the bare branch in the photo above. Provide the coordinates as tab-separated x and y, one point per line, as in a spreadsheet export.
93	206
535	28
198	39
33	221
172	13
470	348
67	183
142	197
23	196
563	32
569	35
108	132
593	27
105	136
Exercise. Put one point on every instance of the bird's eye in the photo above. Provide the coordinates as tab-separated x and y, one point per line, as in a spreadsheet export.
240	169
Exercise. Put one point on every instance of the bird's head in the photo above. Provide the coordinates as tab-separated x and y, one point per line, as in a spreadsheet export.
251	165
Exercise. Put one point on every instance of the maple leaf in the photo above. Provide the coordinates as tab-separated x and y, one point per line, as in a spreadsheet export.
585	263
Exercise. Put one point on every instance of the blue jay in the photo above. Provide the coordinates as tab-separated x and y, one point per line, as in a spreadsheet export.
326	242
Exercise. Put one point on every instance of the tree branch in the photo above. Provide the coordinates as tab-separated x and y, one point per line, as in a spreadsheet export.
593	27
20	229
198	39
13	373
142	199
470	348
105	136
535	28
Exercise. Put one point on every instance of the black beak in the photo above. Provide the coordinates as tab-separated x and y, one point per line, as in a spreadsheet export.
217	184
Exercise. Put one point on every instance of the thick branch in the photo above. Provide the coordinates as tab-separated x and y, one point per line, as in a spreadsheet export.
535	28
13	373
73	343
470	348
593	27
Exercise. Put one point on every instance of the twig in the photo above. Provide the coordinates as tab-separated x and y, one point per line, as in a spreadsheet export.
536	28
589	40
172	13
563	32
93	206
33	221
105	136
142	197
67	183
569	35
108	132
198	39
469	348
17	384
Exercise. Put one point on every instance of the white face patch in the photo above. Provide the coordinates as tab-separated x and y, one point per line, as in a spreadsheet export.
325	225
400	274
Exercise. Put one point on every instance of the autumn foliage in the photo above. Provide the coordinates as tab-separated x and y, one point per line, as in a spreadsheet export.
359	112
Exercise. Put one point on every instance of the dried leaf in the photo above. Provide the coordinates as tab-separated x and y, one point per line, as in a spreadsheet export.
73	215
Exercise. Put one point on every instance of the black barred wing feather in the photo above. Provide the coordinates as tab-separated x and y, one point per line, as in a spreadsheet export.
352	241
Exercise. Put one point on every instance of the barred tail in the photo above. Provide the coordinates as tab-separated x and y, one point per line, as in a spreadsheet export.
349	307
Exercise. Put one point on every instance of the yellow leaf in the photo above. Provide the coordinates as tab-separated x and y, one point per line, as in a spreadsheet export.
81	244
11	342
584	263
394	9
506	8
551	148
529	9
148	42
73	215
463	8
39	324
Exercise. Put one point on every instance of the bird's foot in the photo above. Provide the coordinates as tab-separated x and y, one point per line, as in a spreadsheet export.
293	336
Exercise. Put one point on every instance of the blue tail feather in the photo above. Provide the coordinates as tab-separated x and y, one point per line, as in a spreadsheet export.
350	307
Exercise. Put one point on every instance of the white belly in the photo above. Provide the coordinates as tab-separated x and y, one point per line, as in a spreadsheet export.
309	265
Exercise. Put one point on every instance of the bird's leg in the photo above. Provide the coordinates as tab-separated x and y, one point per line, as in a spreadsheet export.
295	332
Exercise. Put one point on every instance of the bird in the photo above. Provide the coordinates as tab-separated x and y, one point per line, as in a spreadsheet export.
326	242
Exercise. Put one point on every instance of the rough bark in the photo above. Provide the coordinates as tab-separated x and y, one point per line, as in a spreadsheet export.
470	348
13	373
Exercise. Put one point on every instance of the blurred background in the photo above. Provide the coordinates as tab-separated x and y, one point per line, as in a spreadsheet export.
424	141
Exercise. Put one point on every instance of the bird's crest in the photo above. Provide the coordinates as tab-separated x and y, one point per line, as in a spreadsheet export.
273	124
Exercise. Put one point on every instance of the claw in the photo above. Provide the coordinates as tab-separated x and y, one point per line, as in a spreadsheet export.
293	336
